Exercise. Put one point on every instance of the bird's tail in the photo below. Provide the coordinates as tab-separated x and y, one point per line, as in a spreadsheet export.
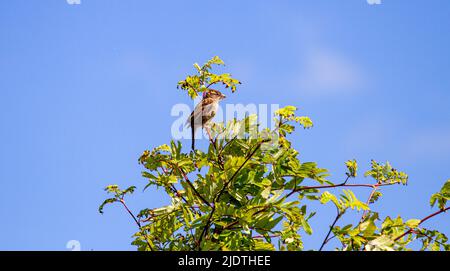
193	133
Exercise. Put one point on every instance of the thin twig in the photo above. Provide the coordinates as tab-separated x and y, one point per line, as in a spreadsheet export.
430	238
213	142
174	189
217	198
261	236
186	179
226	144
336	185
219	154
137	222
368	202
131	214
239	169
192	186
178	194
422	221
339	214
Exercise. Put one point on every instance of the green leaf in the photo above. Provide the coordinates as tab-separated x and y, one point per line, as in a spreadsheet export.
266	192
381	243
287	111
386	174
107	201
352	167
442	196
327	196
306	225
412	223
306	122
262	246
376	195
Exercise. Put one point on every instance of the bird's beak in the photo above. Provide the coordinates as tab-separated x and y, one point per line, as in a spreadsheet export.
223	96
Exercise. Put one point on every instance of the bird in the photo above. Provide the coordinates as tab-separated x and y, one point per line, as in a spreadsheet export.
204	112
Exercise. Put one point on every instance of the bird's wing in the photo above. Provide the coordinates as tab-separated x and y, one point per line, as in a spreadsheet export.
201	112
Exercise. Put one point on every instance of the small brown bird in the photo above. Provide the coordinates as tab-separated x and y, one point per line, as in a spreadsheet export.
204	112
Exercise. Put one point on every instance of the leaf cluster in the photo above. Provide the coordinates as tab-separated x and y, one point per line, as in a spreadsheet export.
251	190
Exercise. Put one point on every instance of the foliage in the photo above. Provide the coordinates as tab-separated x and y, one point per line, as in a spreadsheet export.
441	197
200	82
251	191
118	195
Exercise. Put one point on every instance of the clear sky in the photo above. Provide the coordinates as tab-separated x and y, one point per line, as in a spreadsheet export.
84	89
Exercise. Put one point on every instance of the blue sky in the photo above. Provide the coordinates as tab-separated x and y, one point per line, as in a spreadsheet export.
84	89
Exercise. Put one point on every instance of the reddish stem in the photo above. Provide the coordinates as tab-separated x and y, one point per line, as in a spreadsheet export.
422	221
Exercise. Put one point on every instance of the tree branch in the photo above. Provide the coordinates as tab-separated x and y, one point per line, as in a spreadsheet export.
175	166
237	171
368	202
344	184
137	222
339	214
270	236
430	238
219	154
217	198
422	221
192	186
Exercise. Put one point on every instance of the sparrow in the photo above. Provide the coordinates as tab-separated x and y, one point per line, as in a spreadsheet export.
204	112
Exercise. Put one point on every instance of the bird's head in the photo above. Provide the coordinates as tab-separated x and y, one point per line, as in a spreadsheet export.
214	94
